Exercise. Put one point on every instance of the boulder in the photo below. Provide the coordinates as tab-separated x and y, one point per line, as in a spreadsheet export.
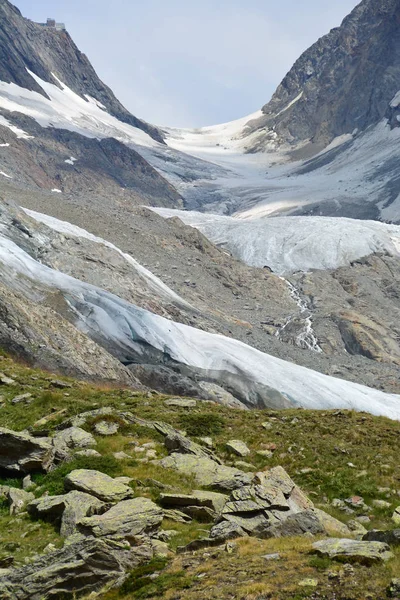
22	399
127	520
69	509
177	443
177	516
396	516
82	418
97	484
212	500
88	453
366	553
390	537
278	478
227	530
306	522
21	453
331	525
74	437
239	448
79	568
18	499
271	505
181	403
207	472
106	428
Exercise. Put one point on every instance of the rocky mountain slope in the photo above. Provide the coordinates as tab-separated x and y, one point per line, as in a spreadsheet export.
68	154
112	499
52	56
344	82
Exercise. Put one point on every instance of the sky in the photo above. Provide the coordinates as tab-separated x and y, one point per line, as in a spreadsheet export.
190	63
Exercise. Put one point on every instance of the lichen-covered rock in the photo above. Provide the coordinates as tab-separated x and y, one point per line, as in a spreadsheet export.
212	500
18	499
176	442
271	505
366	553
306	522
238	447
81	567
97	484
396	516
181	403
127	520
69	509
207	472
106	428
74	437
331	525
22	453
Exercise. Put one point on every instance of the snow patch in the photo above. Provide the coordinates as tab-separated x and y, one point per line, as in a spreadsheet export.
71	160
294	101
64	109
57	191
20	133
5	175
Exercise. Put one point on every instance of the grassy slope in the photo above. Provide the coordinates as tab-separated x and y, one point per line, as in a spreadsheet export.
325	442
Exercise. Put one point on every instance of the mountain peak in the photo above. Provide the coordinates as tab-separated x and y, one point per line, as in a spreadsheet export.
50	51
344	82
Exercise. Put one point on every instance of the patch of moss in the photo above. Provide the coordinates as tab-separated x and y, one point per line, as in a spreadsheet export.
53	482
141	585
202	424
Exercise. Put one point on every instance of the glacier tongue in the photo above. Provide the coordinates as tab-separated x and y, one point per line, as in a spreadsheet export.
289	244
126	330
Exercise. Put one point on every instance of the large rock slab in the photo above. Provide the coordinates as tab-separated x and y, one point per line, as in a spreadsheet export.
365	553
68	509
79	568
127	520
206	471
21	453
97	484
212	500
306	522
331	525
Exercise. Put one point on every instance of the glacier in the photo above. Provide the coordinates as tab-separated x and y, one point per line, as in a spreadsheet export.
288	244
124	330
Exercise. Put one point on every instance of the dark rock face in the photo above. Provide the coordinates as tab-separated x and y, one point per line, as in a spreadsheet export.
81	567
347	79
24	44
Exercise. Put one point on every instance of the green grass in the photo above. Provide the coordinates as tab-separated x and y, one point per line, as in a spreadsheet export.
315	447
53	482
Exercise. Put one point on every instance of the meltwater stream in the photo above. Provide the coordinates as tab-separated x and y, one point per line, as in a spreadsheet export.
306	338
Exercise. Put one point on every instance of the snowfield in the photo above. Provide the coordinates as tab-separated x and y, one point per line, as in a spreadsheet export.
123	328
288	244
64	109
